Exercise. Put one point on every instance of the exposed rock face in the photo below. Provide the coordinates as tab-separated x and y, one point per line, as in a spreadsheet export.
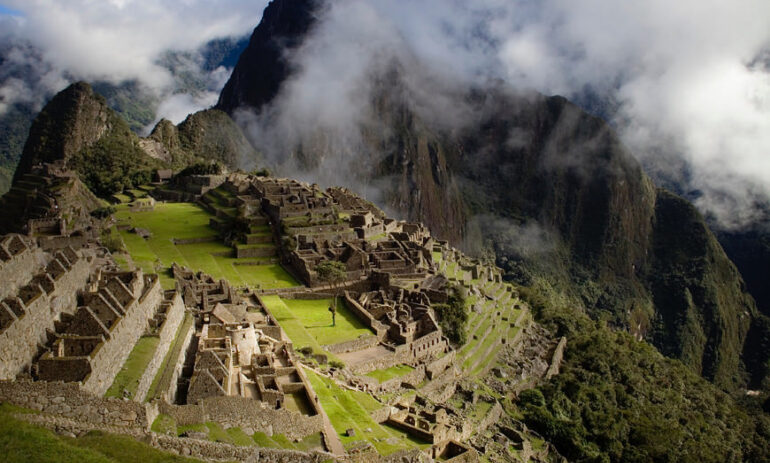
74	119
78	129
538	162
262	67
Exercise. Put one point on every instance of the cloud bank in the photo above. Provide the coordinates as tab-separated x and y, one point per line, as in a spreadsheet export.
686	84
116	41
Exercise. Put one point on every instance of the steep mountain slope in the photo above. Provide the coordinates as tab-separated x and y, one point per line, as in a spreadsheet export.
531	162
78	128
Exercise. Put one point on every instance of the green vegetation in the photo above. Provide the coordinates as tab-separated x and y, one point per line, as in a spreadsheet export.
453	316
21	442
390	373
202	168
345	412
618	399
333	273
315	318
169	221
128	377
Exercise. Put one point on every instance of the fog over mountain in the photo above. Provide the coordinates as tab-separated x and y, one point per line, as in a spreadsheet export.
686	85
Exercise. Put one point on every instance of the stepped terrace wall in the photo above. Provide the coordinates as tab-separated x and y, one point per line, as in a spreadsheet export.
68	400
243	412
25	320
174	314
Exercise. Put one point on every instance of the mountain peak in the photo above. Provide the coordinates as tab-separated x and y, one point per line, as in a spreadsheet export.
263	66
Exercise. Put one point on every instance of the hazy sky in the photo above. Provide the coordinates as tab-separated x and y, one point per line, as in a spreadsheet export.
689	78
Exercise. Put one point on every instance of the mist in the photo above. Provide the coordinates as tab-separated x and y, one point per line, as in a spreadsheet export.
686	86
51	44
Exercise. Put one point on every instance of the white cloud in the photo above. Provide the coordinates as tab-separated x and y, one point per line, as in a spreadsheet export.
120	40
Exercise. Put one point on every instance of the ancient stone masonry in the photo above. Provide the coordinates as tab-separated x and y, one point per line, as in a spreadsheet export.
403	322
92	347
164	325
28	315
237	358
200	291
19	259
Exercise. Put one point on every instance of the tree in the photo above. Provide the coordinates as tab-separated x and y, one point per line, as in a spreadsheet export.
333	273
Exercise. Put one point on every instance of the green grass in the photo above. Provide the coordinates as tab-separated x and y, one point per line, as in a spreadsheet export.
317	320
390	373
187	221
136	363
164	424
22	442
292	325
345	411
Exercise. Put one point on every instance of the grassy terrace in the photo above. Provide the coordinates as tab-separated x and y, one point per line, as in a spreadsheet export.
308	323
165	424
129	375
22	442
189	221
390	373
350	409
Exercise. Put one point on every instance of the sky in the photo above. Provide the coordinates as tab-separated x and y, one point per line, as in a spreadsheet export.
684	83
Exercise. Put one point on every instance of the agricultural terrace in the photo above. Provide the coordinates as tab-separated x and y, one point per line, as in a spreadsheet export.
308	323
349	409
184	221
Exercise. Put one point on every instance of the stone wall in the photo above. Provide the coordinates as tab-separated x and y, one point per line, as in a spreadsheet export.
21	338
68	400
245	413
107	360
380	329
438	366
168	391
412	378
166	335
363	342
16	270
556	359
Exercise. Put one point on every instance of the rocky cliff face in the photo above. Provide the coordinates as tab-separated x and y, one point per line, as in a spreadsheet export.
640	257
78	128
76	118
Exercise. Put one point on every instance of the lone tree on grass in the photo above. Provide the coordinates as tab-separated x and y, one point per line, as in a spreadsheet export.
333	273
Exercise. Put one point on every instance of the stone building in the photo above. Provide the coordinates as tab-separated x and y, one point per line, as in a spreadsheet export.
241	353
35	298
92	347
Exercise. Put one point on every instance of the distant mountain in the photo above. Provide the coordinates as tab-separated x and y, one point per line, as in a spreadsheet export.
133	101
520	165
79	129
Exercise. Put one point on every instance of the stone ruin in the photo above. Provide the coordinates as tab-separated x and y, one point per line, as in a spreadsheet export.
241	350
90	346
402	320
39	289
237	358
200	291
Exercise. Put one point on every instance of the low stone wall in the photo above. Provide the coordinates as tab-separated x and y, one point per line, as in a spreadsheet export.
245	413
380	415
558	354
205	239
68	400
18	270
412	378
166	335
364	342
51	243
438	366
242	252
